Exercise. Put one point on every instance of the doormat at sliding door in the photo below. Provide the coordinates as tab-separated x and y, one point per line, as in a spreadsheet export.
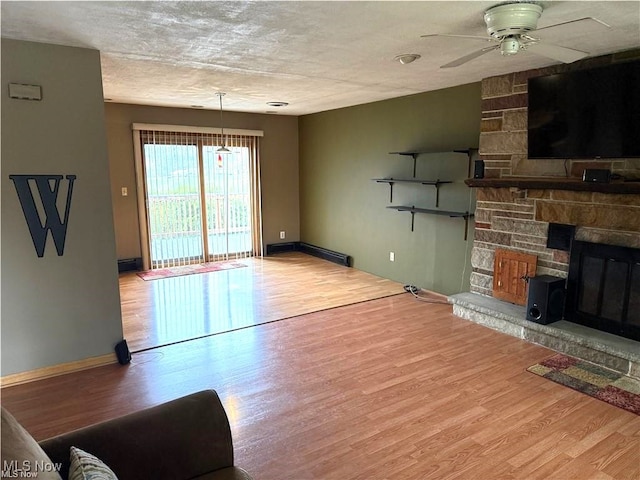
606	385
189	270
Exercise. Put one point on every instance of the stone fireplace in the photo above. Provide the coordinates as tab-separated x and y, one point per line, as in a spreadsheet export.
518	219
517	214
520	197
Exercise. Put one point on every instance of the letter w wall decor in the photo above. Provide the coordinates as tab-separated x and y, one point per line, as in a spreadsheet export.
48	187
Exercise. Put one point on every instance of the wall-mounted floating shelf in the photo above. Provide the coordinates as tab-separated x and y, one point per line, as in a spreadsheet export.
413	210
470	152
391	181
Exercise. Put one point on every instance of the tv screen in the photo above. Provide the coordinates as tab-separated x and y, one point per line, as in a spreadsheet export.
586	114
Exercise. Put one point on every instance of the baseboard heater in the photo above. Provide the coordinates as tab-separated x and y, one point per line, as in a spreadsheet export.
274	248
326	254
129	264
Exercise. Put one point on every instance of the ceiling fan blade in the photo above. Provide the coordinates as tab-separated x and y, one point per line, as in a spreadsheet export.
593	19
556	52
470	57
475	37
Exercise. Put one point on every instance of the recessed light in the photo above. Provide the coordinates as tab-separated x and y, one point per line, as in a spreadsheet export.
406	58
277	104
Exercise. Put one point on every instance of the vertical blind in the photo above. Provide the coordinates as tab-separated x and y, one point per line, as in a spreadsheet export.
201	205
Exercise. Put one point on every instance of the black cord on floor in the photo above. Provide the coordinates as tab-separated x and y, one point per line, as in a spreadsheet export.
413	290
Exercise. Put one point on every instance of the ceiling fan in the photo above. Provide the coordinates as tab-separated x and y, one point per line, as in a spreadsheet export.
509	27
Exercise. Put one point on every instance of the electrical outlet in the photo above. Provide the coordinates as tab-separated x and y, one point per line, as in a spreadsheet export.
392	257
283	235
125	192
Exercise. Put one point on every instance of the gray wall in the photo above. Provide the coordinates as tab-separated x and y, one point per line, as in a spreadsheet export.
343	210
279	166
57	309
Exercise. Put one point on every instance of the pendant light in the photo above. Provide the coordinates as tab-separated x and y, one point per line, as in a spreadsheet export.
223	148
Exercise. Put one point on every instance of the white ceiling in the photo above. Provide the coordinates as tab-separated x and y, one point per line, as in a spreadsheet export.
315	55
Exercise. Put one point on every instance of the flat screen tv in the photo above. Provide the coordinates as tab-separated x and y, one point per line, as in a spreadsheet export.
586	114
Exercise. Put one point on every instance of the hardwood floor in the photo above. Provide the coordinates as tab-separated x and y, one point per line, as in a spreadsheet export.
391	388
165	311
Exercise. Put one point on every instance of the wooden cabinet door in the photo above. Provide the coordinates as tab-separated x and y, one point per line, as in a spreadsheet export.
511	271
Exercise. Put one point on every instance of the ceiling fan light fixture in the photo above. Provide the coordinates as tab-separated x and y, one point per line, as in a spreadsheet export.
406	58
511	27
510	46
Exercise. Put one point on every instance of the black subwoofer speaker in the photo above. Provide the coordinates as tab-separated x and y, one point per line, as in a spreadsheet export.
545	299
122	352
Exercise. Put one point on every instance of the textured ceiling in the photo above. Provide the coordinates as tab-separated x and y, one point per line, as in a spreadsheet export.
315	55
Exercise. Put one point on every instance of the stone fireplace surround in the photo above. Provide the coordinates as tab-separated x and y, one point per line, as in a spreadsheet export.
520	197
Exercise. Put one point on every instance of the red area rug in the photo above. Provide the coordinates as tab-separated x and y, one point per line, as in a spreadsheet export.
189	270
606	385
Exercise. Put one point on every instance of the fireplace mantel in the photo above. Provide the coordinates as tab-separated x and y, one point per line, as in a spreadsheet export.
554	183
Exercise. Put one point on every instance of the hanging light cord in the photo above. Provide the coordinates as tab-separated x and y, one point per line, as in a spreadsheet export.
220	94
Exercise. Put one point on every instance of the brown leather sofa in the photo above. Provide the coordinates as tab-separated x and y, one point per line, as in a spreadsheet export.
187	438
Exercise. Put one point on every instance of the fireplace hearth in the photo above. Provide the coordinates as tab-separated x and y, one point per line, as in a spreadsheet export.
601	348
603	288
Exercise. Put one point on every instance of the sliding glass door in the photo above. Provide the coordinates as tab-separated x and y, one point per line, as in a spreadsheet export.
227	201
174	209
198	201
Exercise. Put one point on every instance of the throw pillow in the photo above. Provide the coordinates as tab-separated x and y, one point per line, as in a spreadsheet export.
85	466
21	455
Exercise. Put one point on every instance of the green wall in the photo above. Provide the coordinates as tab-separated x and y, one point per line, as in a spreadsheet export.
342	209
57	309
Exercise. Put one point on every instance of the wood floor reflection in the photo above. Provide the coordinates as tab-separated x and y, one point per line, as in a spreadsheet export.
385	389
166	311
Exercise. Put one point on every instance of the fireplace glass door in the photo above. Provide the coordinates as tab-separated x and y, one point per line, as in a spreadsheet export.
603	288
